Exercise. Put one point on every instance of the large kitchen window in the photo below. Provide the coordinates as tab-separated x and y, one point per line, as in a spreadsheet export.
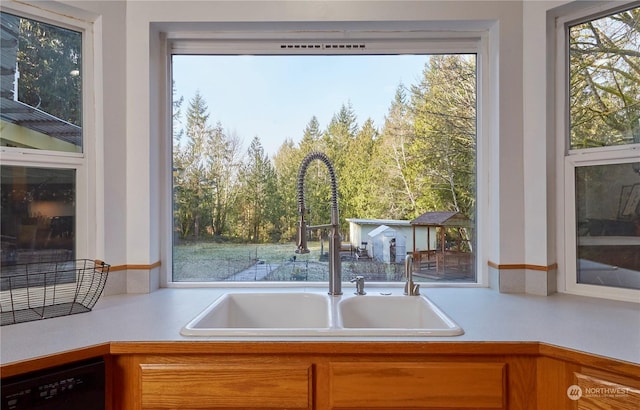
399	126
43	146
602	165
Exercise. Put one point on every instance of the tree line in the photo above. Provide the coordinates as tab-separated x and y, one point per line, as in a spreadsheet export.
49	61
421	159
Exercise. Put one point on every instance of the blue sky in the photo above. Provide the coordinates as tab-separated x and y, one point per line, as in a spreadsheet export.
274	97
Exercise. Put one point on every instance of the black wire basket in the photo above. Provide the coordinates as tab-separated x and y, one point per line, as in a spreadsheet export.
42	290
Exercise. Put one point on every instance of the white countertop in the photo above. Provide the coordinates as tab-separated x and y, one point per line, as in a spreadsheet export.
595	326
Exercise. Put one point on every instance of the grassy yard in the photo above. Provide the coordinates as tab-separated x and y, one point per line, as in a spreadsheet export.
211	262
207	261
204	261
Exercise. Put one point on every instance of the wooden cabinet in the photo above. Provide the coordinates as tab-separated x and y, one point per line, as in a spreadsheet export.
211	382
597	390
225	386
323	376
179	381
355	375
397	385
576	381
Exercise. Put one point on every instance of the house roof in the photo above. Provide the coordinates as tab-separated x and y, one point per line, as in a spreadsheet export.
441	218
30	117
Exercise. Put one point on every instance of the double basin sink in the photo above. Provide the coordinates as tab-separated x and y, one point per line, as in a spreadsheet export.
317	314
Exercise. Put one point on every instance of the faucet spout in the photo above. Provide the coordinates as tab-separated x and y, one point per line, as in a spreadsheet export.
410	288
335	266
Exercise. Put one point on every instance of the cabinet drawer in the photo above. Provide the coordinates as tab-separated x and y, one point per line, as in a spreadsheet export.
417	385
210	386
598	391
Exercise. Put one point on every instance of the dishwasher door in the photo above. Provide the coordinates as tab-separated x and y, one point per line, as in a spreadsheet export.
76	386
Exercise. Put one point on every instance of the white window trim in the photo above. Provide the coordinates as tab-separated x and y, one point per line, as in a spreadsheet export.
89	165
568	160
395	41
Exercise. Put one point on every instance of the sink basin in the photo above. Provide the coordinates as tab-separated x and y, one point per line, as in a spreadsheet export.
263	314
318	314
395	315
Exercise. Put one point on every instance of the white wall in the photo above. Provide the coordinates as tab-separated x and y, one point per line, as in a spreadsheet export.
107	170
504	185
538	139
516	187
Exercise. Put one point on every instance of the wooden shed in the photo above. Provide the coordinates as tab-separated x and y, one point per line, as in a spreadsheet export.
453	252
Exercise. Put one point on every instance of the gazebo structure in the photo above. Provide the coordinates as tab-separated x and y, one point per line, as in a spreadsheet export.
455	255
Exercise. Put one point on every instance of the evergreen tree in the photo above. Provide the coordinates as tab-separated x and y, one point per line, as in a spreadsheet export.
223	158
286	162
339	133
357	181
193	192
423	159
50	67
258	193
311	138
176	119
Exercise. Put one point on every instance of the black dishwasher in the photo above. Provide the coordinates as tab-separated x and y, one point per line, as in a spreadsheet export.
75	386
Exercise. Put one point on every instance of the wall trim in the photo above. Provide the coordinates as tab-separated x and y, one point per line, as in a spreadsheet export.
524	278
115	268
509	266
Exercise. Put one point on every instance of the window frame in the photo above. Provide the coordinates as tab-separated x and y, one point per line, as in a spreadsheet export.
569	159
254	38
89	212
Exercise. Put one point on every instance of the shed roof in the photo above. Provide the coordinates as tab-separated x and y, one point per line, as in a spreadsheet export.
388	222
378	231
442	218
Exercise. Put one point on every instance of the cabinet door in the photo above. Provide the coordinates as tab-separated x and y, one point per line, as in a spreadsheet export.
394	385
210	386
600	391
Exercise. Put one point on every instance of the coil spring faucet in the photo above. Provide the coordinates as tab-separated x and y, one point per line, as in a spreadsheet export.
335	267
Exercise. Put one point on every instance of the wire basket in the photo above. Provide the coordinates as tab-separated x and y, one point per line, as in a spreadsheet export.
42	290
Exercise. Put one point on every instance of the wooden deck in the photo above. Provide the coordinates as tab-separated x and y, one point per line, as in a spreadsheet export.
443	265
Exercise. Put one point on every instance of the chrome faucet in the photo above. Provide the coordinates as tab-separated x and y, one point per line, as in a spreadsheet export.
335	267
410	288
359	281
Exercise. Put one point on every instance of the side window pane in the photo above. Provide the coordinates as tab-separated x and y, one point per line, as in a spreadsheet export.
41	87
38	214
604	75
608	225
